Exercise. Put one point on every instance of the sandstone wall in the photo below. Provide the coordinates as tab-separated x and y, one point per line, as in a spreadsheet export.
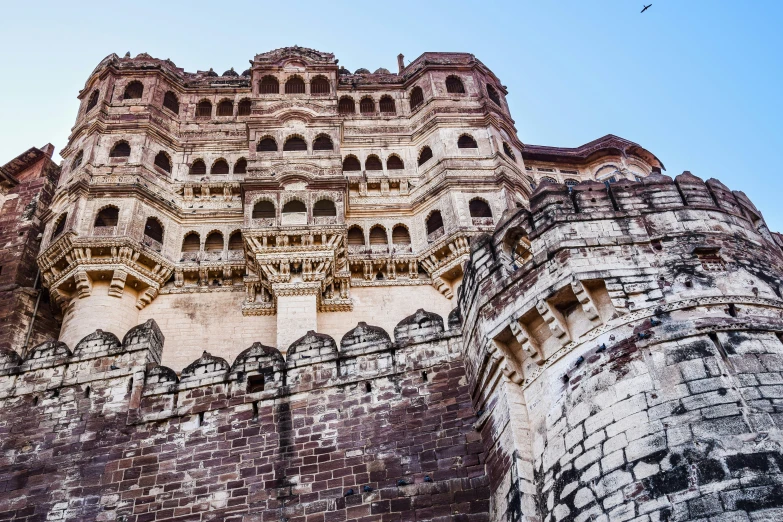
379	430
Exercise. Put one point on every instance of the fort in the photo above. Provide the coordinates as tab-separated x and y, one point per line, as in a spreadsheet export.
302	294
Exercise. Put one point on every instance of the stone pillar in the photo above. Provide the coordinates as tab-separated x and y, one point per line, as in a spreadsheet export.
297	311
99	311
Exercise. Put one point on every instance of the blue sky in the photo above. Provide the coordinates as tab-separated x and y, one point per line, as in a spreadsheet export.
696	82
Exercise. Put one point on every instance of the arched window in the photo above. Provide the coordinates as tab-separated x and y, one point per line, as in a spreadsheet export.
346	105
244	107
350	163
373	162
323	142
267	144
204	109
198	168
548	179
400	235
367	106
493	95
77	161
220	167
387	105
508	152
294	213
466	142
425	155
107	217
319	85
162	161
153	229
214	242
171	102
479	208
295	85
355	235
92	102
434	222
264	210
394	163
121	149
235	241
570	182
294	206
324	208
378	236
417	97
133	90
294	143
225	108
454	85
269	85
240	167
191	242
59	225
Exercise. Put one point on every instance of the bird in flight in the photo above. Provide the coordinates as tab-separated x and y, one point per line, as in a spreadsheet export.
646	7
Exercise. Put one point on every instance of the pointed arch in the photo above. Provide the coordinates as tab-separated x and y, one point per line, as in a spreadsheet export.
346	105
245	107
240	167
204	109
351	164
264	209
92	102
454	85
269	85
295	142
153	229
367	105
235	241
378	235
324	208
466	141
373	162
323	142
171	102
394	162
434	222
266	144
479	208
417	98
214	242
59	225
163	161
133	91
401	235
198	168
108	216
191	242
225	108
425	154
355	235
295	85
121	149
219	167
387	105
319	85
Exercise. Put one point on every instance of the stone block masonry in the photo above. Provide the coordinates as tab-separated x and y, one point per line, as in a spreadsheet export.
378	430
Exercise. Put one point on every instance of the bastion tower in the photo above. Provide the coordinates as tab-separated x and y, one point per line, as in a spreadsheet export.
427	318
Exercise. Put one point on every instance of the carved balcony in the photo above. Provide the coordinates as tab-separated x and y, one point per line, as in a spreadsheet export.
436	234
104	231
155	246
483	221
325	220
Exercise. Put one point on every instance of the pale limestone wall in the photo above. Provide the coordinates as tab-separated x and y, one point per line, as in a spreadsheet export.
196	322
384	307
296	315
99	311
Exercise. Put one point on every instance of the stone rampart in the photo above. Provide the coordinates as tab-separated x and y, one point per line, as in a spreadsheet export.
623	348
377	429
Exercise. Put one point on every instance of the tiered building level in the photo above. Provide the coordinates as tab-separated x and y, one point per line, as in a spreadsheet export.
294	196
305	295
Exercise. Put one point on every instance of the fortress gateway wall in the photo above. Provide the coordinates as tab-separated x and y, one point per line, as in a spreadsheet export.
302	294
